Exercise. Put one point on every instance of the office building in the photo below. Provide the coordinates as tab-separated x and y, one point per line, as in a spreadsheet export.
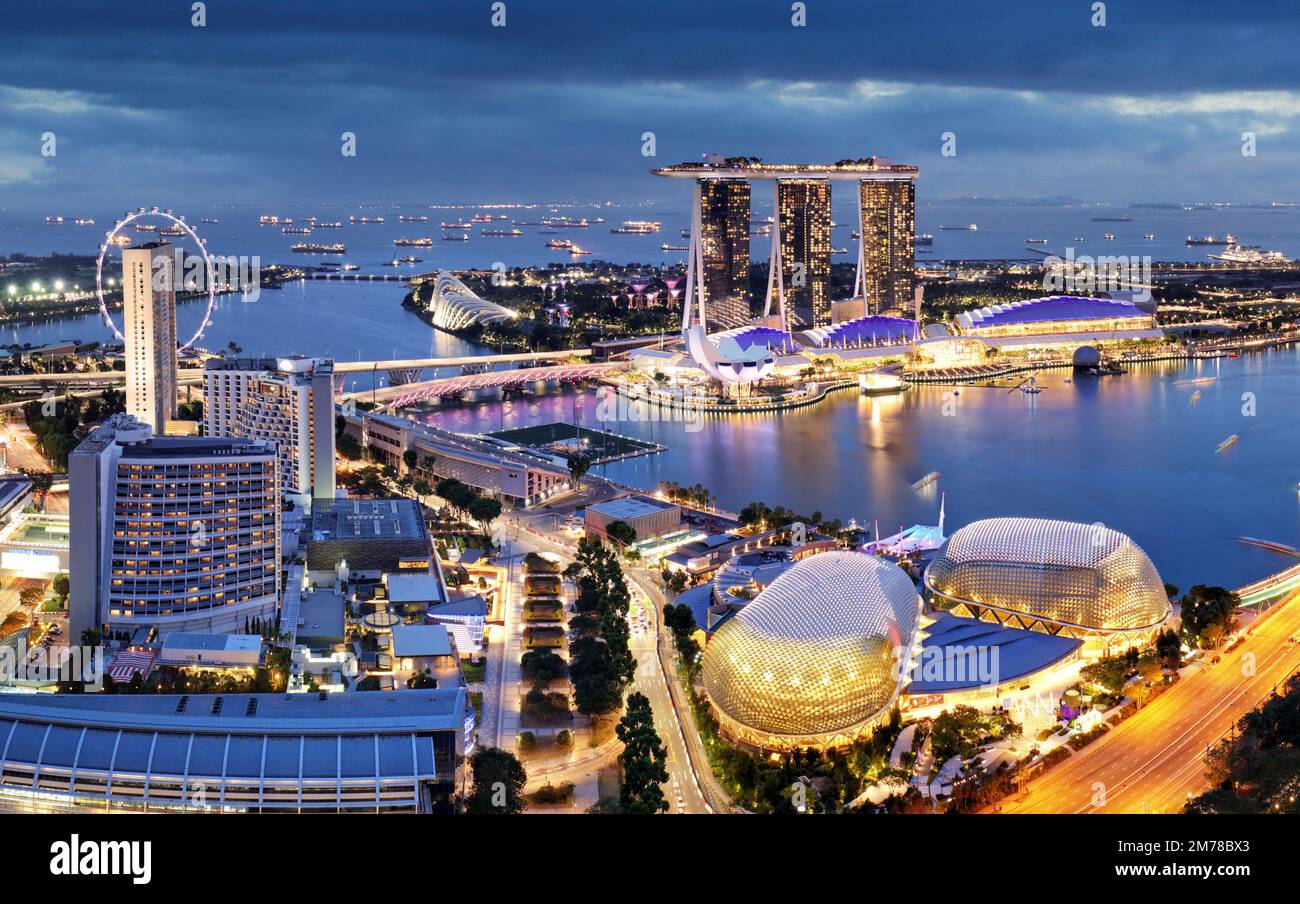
180	533
887	260
289	401
149	330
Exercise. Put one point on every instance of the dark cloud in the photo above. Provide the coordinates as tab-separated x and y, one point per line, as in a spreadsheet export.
552	106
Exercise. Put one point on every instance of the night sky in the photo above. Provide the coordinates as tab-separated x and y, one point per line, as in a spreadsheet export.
147	109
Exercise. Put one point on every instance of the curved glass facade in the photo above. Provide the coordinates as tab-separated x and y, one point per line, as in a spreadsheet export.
813	661
1049	575
455	305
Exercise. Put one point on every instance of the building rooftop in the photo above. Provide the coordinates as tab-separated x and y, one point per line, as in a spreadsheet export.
415	588
288	714
217	643
421	640
628	507
366	519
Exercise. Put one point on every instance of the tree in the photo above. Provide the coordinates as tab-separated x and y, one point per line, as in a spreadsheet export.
61	585
484	511
621	533
409	458
348	446
578	465
499	780
421	681
643	758
1207	614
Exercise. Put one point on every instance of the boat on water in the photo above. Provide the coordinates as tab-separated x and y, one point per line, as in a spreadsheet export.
482	218
923	239
1150	236
1250	254
317	248
333	225
54	221
412	218
366	221
296	230
212	221
455	236
172	229
574	249
969	227
146	227
510	233
637	227
351	266
1109	237
1105	219
1031	386
927	480
1228	239
83	221
560	243
1230	441
421	242
1035	241
458	225
667	247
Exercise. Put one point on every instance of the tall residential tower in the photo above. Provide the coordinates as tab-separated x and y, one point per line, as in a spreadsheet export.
149	328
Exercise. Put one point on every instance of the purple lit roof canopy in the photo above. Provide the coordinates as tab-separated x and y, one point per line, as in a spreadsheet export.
1051	309
862	331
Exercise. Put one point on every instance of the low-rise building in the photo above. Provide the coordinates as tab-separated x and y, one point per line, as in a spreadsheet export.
647	517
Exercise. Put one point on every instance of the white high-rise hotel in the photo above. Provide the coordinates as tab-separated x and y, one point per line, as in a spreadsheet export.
178	532
287	400
149	328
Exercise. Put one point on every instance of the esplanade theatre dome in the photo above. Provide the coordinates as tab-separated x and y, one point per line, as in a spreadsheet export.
1055	576
813	661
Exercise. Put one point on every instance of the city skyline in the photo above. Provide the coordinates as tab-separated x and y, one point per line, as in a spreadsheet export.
1040	102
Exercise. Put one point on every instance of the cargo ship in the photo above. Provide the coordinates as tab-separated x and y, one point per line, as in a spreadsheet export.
460	225
563	243
317	248
509	233
296	230
455	236
366	221
412	218
923	239
969	227
422	242
1228	239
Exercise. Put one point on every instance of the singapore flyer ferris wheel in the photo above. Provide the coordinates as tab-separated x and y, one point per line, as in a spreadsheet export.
209	272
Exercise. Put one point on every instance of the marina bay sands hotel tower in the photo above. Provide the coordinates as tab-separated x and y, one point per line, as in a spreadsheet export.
799	283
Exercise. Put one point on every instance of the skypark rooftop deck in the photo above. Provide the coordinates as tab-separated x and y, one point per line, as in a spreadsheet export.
873	169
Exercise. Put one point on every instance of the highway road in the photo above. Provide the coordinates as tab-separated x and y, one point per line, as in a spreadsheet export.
1155	760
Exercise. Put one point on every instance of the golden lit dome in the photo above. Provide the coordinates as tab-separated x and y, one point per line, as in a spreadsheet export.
814	659
1050	575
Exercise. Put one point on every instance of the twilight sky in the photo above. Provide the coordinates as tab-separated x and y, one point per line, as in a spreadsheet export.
147	109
